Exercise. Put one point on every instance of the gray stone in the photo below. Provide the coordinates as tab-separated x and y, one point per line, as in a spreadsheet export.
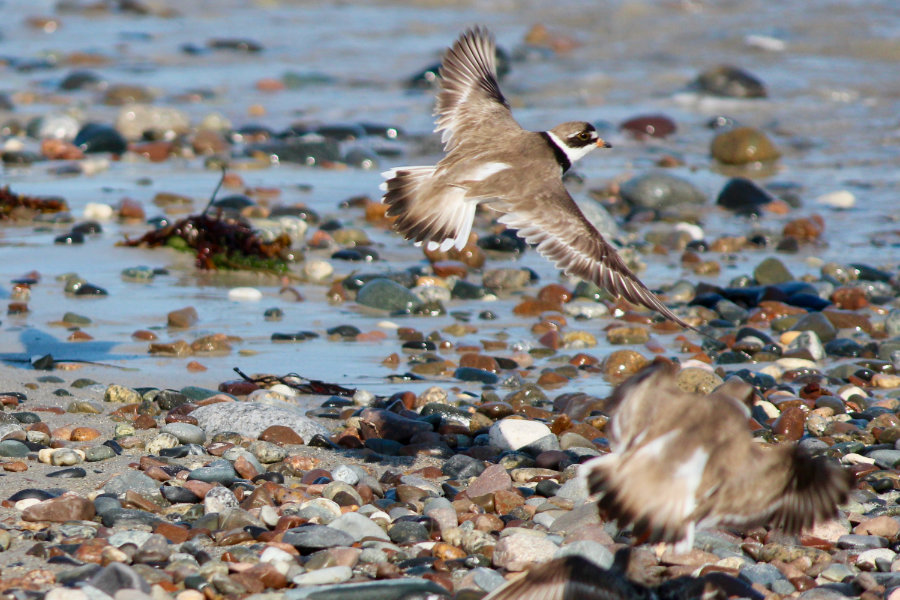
371	590
13	449
658	189
310	538
507	279
855	541
886	459
817	323
487	579
267	452
131	481
218	471
117	576
252	418
388	295
185	432
807	343
358	527
327	575
771	271
232	454
763	574
345	474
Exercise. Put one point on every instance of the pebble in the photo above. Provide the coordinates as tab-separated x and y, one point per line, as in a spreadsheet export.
515	434
244	294
251	418
743	145
659	190
731	82
388	295
840	199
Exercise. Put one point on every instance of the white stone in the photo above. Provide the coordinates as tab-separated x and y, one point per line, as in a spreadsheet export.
866	559
789	364
847	391
285	390
278	558
219	499
841	199
695	231
765	42
98	211
94	165
585	309
322	576
345	474
317	270
512	434
852	458
65	593
518	551
245	294
269	516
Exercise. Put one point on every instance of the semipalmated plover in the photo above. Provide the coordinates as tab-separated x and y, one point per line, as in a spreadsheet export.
681	461
576	578
490	159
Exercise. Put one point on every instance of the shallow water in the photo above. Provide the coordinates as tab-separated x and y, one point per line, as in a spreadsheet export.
833	111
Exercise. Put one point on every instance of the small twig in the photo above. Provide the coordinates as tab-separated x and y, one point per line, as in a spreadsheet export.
215	191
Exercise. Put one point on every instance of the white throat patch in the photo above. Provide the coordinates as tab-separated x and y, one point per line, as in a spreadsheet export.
573	154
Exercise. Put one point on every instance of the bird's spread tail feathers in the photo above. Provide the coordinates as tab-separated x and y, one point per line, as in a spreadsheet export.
441	217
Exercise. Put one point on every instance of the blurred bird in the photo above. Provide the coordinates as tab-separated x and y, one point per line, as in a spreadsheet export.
682	461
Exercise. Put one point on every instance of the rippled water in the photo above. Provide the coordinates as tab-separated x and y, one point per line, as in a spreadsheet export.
834	111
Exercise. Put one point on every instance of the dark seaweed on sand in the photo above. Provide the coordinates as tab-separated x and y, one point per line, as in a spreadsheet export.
15	206
220	242
300	383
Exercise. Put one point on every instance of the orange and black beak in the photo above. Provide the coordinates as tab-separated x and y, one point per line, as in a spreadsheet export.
601	143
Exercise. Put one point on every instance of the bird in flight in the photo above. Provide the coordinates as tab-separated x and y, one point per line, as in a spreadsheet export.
489	158
682	461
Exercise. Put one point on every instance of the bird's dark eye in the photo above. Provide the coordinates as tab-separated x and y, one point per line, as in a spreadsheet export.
584	136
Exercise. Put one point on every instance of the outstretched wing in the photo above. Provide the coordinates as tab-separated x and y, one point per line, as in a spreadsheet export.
565	236
470	104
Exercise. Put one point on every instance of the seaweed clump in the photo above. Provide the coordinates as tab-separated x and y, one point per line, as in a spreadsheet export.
220	242
15	207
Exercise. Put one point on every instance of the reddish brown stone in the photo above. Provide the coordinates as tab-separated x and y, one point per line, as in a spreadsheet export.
622	364
281	434
552	380
849	298
176	349
91	550
245	468
550	340
84	434
144	422
238	387
479	361
506	500
15	466
533	308
492	479
79	336
582	359
450	268
174	533
131	210
183	317
554	294
654	126
156	151
791	423
68	507
143	335
805	229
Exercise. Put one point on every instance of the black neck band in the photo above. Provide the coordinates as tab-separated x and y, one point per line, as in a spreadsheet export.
561	157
